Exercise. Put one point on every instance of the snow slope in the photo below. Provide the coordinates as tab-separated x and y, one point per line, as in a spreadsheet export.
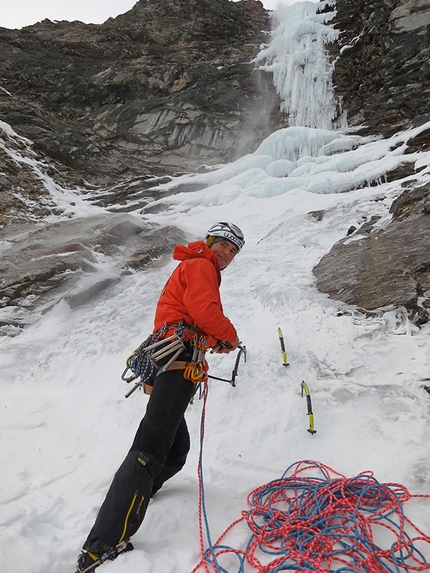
65	424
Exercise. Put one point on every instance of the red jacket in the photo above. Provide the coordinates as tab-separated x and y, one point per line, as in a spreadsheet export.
192	293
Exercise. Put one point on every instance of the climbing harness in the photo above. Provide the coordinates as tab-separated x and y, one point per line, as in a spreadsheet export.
314	519
284	354
305	389
232	381
159	353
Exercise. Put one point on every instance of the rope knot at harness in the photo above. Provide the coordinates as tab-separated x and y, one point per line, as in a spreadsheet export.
315	519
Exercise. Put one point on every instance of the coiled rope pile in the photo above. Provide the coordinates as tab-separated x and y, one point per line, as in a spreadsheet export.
327	523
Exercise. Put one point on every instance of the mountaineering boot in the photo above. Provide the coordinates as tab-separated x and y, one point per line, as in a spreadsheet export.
92	557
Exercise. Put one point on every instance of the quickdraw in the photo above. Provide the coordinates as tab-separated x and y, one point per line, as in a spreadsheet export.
195	371
143	362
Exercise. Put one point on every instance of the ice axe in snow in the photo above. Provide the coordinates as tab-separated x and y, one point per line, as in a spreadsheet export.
281	340
305	389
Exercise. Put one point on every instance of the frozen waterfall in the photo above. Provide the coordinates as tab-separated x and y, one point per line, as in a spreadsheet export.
299	60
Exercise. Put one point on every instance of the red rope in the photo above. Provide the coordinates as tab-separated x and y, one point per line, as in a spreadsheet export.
324	523
200	474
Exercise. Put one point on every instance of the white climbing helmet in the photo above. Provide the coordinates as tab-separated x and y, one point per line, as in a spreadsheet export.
226	231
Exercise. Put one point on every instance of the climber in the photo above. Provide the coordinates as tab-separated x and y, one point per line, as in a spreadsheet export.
190	303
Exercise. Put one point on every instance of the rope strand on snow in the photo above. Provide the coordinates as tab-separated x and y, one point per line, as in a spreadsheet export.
327	523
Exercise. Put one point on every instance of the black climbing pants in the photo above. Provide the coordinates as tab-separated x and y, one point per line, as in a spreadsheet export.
158	452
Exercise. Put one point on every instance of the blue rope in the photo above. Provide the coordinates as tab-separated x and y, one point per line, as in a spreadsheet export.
312	523
210	551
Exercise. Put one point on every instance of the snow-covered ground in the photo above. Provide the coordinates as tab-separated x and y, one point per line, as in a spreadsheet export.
66	426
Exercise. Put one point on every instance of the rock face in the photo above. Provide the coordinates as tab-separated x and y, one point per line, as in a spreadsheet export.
112	109
383	71
165	87
383	268
75	259
382	76
168	87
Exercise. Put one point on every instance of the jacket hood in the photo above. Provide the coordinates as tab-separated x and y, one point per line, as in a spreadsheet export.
196	249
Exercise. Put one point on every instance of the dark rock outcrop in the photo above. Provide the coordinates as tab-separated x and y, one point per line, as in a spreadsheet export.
24	173
113	109
165	87
76	259
387	267
382	74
